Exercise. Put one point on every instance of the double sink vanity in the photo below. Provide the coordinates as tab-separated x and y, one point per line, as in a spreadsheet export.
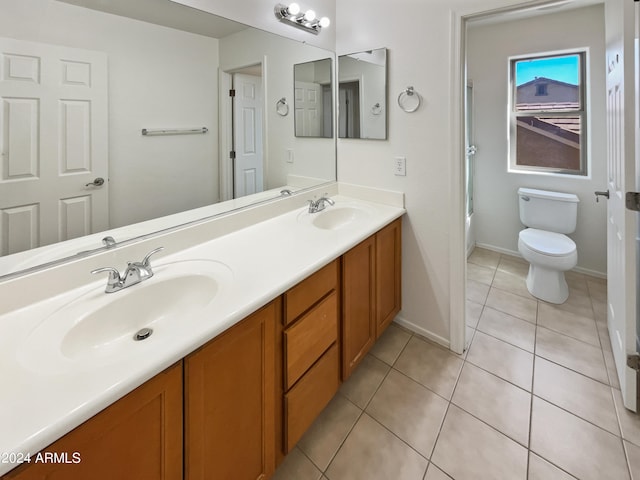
216	364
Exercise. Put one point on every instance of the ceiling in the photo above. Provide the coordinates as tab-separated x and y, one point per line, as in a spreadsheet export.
531	9
166	13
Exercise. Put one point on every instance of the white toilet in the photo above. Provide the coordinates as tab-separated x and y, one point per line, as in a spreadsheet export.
549	216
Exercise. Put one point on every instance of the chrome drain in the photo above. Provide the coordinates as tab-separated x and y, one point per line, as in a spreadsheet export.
142	334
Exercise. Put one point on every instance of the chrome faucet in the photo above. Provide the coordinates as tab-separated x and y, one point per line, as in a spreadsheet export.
320	204
286	192
108	241
136	272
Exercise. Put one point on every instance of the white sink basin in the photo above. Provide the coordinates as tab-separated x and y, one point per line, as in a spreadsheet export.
335	217
98	328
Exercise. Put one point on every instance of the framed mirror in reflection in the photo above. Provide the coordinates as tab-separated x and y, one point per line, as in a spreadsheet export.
313	99
82	78
362	95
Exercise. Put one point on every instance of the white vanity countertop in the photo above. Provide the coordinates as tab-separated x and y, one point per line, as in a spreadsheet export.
41	401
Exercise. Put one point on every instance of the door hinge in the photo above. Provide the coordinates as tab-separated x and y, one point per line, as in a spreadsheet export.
632	200
232	155
232	92
633	361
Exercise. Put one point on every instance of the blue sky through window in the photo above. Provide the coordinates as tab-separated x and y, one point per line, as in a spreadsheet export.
563	68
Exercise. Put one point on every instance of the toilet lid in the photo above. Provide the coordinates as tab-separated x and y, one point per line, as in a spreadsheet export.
547	243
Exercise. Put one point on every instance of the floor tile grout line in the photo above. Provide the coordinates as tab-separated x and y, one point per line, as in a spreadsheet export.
362	410
555	362
573	338
497	376
622	438
535	356
577	416
533	395
503	340
533	378
344	439
530	297
444	419
504	310
492	427
399	438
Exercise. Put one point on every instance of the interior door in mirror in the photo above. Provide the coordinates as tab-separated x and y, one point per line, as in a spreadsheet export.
362	95
313	99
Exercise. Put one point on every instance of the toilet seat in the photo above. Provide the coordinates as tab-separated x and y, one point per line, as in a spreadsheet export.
547	243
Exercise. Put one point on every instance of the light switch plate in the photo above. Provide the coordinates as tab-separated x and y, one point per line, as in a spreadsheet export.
400	166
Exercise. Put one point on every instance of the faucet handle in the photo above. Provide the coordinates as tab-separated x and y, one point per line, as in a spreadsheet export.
113	272
145	260
114	282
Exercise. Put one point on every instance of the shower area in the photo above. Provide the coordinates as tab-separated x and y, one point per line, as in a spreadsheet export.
470	154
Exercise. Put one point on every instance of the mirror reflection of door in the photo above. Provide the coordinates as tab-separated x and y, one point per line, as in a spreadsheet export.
362	94
53	137
308	96
248	168
349	108
313	99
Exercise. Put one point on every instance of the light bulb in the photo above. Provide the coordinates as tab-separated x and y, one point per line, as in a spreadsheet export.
325	22
310	15
293	9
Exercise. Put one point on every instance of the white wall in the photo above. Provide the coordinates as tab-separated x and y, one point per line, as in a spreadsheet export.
158	77
260	14
420	37
313	157
495	202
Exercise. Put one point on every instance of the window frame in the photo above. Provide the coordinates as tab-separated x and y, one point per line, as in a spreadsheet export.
582	112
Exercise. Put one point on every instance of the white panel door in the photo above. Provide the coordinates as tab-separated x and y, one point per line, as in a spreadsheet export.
622	223
53	141
308	117
247	120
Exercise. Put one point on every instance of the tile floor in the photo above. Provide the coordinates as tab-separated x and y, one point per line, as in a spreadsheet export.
534	396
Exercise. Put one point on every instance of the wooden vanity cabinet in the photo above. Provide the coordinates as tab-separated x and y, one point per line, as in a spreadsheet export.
230	400
358	304
244	399
388	274
139	436
310	371
371	292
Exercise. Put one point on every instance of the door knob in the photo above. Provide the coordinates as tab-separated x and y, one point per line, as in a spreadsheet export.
97	182
601	194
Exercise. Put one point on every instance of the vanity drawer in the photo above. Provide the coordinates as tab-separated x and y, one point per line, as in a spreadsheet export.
309	291
304	402
309	337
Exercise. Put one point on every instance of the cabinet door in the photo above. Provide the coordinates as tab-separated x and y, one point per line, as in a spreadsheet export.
388	274
139	436
229	402
358	304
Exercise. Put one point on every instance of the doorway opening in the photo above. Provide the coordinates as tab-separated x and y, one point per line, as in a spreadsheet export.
489	208
242	157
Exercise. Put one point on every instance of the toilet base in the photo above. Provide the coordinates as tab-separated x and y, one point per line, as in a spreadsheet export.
546	284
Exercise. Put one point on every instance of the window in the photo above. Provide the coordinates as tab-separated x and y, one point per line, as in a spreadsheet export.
548	117
541	89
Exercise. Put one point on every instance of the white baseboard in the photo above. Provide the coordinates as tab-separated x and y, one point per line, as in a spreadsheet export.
421	331
504	251
470	249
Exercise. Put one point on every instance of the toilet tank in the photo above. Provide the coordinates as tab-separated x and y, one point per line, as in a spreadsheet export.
545	210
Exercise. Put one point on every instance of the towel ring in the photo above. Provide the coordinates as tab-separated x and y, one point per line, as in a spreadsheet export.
376	109
409	100
282	107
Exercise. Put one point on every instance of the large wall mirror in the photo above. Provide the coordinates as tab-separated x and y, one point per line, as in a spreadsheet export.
362	95
81	79
313	99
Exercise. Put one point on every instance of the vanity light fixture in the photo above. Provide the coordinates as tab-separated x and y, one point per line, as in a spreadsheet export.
291	13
